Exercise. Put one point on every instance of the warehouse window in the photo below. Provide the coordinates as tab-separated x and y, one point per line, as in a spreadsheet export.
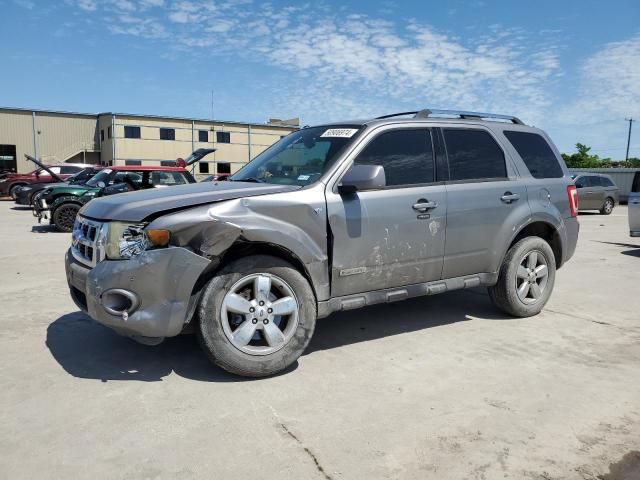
203	167
131	132
223	137
8	158
167	134
167	163
203	136
102	135
224	167
133	162
109	132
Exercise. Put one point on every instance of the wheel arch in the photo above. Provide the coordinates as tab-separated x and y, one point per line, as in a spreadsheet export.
545	230
240	249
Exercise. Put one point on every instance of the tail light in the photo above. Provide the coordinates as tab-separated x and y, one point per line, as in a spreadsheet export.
572	193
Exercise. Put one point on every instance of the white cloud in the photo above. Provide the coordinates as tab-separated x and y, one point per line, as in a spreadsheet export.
607	92
328	54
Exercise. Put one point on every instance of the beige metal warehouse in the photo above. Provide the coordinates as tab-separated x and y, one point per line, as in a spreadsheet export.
129	139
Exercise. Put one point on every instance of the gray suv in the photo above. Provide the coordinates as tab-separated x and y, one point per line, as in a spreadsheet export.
332	217
596	192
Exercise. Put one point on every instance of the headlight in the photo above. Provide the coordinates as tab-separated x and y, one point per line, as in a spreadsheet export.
90	193
25	189
126	240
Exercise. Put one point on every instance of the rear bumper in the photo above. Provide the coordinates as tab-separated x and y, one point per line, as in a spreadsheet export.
571	232
159	281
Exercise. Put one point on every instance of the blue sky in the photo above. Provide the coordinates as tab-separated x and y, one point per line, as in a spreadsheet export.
570	67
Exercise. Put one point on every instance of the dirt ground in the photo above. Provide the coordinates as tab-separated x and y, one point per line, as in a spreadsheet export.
444	387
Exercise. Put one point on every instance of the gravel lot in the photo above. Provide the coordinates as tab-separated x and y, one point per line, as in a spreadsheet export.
444	387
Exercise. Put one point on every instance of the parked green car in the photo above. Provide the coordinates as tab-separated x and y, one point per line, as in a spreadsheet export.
61	204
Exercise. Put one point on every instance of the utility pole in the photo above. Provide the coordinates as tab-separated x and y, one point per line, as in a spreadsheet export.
630	120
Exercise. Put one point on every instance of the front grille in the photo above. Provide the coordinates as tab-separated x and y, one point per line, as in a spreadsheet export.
85	241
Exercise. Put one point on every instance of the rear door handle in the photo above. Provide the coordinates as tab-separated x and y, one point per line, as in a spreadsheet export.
424	205
509	197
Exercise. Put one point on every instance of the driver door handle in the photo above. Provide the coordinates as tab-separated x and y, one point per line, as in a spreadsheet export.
424	205
509	197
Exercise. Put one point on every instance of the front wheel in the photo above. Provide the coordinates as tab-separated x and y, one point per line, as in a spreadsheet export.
607	207
64	216
256	316
526	278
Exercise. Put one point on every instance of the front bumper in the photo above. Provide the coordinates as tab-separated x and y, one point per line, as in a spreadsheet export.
161	280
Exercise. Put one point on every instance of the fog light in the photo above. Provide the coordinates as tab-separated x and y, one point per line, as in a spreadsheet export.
120	302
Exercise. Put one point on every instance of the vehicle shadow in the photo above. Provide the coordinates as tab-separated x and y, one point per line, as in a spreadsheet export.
634	252
86	349
379	321
21	208
44	229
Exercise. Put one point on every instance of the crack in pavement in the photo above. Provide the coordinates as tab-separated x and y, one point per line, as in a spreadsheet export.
309	452
299	442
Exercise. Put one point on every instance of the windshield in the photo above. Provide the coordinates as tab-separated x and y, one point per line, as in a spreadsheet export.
299	158
102	176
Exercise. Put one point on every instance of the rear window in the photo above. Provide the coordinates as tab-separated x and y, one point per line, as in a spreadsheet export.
536	153
473	155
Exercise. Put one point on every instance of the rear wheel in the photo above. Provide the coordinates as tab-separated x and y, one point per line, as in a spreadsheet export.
526	278
64	216
256	316
607	206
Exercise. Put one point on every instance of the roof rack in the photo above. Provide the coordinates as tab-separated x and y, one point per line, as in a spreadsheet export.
426	113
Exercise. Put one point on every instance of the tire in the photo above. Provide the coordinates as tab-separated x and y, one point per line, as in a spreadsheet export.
505	294
64	216
13	191
220	332
607	206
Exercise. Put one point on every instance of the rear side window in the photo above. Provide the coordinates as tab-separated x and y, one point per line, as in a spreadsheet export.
167	178
473	155
406	155
607	182
536	153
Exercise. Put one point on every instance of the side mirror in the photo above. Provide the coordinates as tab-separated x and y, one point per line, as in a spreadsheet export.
362	177
101	185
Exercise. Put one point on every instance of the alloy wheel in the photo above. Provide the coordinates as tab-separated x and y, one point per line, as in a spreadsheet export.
531	277
259	314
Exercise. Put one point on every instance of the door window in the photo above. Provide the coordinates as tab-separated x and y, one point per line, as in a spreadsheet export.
583	182
473	155
167	178
406	155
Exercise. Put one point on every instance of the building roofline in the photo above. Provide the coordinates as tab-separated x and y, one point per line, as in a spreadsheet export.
138	115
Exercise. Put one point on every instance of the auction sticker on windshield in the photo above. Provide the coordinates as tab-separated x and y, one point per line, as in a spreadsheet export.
340	132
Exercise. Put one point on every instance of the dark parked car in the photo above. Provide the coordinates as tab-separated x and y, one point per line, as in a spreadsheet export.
26	194
54	173
63	202
596	192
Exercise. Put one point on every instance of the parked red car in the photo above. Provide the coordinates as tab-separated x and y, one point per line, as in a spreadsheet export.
9	185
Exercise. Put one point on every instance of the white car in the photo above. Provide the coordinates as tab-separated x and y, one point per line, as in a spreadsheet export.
634	207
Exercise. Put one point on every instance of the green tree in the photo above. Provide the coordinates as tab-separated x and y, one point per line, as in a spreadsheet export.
582	158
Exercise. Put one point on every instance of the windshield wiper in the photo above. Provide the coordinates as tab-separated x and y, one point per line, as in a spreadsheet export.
250	179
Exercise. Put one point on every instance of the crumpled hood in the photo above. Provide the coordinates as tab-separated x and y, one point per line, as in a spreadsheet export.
137	206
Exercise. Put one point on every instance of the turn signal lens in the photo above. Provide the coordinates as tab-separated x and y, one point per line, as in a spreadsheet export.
158	238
